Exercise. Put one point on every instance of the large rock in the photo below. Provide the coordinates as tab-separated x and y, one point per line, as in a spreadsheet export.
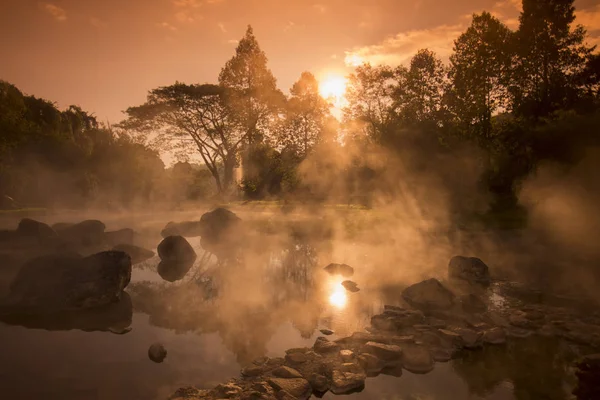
157	352
137	254
35	229
343	382
322	345
386	352
339	269
69	282
470	269
417	359
122	236
220	230
428	294
297	387
175	249
471	303
87	233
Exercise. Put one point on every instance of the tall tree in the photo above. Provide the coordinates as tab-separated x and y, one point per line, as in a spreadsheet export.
419	99
480	73
551	54
306	116
192	112
370	95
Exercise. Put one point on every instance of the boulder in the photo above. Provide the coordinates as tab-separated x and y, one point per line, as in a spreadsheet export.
319	383
494	336
347	382
87	233
35	229
185	229
428	294
175	249
122	236
60	226
385	352
350	286
252	370
70	282
372	364
157	352
339	269
286	372
470	269
297	387
137	254
417	359
322	345
220	230
327	332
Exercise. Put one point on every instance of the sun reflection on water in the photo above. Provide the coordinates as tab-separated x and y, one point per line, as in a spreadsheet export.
338	297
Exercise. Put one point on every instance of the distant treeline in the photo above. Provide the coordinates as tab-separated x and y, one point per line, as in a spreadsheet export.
506	103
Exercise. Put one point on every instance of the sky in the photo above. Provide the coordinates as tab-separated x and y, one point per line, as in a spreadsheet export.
105	55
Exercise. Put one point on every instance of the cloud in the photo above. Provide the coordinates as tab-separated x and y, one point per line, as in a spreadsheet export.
59	14
222	27
185	17
320	8
187	3
98	23
288	26
590	19
402	47
233	41
166	25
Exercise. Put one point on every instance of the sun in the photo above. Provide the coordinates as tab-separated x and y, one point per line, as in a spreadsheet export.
333	87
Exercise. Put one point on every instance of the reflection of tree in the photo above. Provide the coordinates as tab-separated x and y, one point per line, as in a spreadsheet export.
536	366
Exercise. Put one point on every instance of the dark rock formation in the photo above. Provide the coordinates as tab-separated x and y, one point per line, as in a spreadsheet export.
176	250
221	232
122	236
428	294
339	269
470	269
157	352
185	229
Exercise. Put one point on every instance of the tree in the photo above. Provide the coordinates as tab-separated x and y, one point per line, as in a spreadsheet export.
253	99
306	116
418	101
480	73
370	96
193	112
551	54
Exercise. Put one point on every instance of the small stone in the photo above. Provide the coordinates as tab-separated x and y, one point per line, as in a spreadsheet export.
319	383
327	332
252	371
297	387
470	338
371	364
441	355
262	387
227	390
322	345
384	351
346	382
276	361
286	372
350	286
346	355
494	336
296	358
157	352
351	367
417	359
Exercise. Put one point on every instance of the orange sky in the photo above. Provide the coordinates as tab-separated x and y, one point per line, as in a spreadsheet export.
105	55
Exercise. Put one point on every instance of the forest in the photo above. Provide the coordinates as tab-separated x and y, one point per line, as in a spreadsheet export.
506	103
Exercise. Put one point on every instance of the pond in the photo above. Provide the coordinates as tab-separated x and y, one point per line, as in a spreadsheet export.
213	323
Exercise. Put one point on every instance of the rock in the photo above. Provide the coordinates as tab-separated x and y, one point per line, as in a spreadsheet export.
296	358
587	371
173	271
347	382
189	393
327	332
470	338
470	269
385	352
120	237
428	294
319	383
220	230
35	229
61	226
69	282
383	322
417	359
339	269
350	286
175	249
87	233
494	336
371	364
472	304
157	352
518	332
286	372
346	355
322	345
252	370
227	390
137	254
297	387
185	229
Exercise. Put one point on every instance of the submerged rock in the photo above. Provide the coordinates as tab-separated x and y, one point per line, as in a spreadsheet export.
35	229
137	254
176	250
120	237
350	286
185	229
417	359
429	294
68	282
297	387
470	269
87	233
220	230
339	269
347	382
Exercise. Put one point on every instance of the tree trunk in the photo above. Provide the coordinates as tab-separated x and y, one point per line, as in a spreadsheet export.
228	170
